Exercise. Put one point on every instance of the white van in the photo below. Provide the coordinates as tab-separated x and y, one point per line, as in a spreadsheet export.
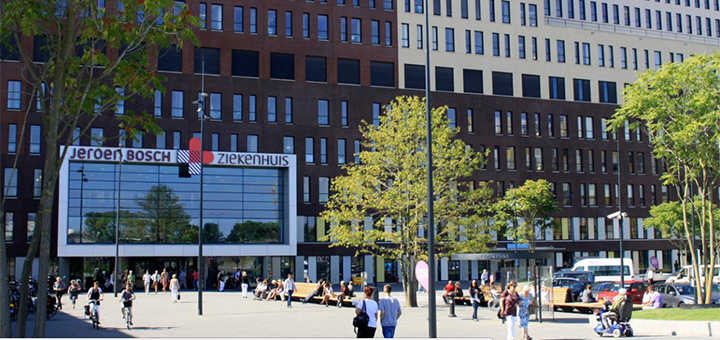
687	273
607	269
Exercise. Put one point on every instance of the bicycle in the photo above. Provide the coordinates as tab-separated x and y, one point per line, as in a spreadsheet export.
92	310
127	313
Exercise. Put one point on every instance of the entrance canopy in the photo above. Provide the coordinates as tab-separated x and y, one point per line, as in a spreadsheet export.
508	254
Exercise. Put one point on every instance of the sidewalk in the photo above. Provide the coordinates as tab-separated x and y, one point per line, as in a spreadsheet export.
227	314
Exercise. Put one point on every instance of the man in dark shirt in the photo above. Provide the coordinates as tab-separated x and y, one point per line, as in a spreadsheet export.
127	298
318	290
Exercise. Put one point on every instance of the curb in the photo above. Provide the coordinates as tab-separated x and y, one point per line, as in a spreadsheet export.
710	329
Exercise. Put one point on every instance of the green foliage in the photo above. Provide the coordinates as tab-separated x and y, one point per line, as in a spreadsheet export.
678	106
163	213
254	232
389	185
526	210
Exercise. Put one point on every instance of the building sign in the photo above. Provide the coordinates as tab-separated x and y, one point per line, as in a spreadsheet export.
157	156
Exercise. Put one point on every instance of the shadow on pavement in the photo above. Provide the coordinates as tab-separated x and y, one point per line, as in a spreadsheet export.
566	320
63	324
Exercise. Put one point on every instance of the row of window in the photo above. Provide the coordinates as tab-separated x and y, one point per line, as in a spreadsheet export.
35	139
585	126
590	197
657	17
528	16
10	226
588	229
502	84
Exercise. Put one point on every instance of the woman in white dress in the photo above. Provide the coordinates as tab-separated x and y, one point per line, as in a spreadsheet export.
175	288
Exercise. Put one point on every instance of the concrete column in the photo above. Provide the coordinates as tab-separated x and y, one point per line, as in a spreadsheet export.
276	267
334	268
380	274
616	228
558	259
369	269
601	229
464	270
312	268
575	228
300	229
641	230
347	268
626	228
19	261
300	269
603	254
444	269
64	268
474	270
399	270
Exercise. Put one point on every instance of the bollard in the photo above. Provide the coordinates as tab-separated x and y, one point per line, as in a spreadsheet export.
452	306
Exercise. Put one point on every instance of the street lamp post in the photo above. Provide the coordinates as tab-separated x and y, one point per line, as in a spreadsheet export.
432	326
201	112
117	226
620	215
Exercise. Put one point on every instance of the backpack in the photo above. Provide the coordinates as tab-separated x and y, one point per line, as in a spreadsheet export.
361	320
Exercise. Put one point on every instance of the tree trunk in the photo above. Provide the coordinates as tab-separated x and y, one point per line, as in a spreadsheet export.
24	284
409	282
5	322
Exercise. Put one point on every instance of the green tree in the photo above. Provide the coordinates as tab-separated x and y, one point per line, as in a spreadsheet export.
254	232
99	227
76	83
525	211
163	213
678	106
388	185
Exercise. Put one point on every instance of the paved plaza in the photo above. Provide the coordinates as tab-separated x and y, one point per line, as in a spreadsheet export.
227	314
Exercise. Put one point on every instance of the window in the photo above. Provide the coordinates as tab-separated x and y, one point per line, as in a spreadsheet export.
591	161
343	29
203	15
630	198
523	20
532	10
496	157
531	86
306	190
615	161
288	110
571	9
589	128
557	88
252	116
348	71
237	107
388	34
593	11
323	189
635	59
558	8
464	9
376	114
444	79
534	48
521	46
564	128
507	45
601	55
579	164
355	33
539	159
120	105
551	126
492	10
288	145
11	182
216	17
498	123
658	60
561	51
582	90
253	20
375	32
479	42
435	38
608	92
405	36
238	24
272	22
282	66
309	150
272	109
586	53
583	196
502	83
215	105
524	124
496	44
252	143
215	141
623	58
37	185
211	58
450	40
567	194
357	151
470	121
555	160
176	140
468	42
315	69
323	27
448	11
306	25
323	150
641	194
509	123
288	24
323	113
506	12
641	162
472	81
342	149
419	37
382	74
158	103
35	136
538	132
562	229
245	63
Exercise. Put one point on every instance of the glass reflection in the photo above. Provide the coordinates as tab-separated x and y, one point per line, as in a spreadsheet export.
242	205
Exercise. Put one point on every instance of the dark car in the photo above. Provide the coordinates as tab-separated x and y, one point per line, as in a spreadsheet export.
581	275
599	287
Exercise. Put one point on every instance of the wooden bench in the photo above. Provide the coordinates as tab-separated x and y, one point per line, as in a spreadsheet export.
303	290
560	299
487	296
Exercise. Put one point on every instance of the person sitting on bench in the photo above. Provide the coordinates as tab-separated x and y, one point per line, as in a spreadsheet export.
318	291
276	291
329	293
260	290
345	291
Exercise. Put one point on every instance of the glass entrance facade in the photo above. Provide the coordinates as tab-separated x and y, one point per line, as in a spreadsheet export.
157	206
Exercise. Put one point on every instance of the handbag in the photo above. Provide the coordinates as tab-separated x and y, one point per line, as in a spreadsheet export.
361	320
178	296
499	314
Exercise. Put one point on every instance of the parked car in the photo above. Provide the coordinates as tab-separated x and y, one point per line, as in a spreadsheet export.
576	286
675	295
599	287
607	269
687	273
635	289
582	275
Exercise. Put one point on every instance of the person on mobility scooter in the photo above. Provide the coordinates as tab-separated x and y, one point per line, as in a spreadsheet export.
614	319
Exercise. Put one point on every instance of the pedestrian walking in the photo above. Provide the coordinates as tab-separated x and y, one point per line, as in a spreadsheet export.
221	281
164	280
183	279
175	288
155	280
484	277
196	275
508	308
370	308
59	288
475	293
244	283
523	313
650	276
390	312
130	279
492	279
289	288
146	281
73	291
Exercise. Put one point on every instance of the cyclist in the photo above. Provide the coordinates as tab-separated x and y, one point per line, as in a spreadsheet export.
127	298
95	295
